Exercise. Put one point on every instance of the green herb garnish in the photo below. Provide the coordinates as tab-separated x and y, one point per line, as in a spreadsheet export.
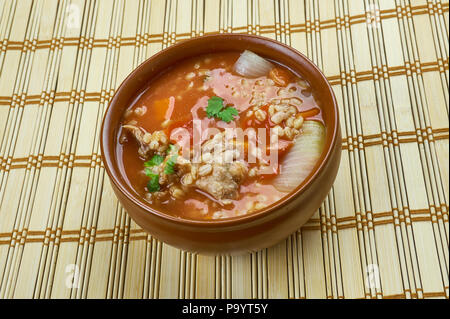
215	105
171	148
227	114
148	171
153	183
216	109
154	161
170	164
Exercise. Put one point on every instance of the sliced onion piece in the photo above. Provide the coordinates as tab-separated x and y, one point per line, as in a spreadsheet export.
302	157
252	65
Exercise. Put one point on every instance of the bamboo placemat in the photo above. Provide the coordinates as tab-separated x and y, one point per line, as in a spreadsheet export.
382	232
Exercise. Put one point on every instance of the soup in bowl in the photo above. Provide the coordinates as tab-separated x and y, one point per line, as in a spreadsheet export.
223	143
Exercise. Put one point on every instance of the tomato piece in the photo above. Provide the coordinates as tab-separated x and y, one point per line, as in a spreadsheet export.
184	121
282	147
270	175
280	76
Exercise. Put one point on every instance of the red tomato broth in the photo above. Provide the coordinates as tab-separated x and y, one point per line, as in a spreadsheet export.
174	95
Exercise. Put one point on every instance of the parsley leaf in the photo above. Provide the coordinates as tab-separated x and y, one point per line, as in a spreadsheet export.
154	161
216	109
148	171
215	105
153	183
227	114
170	164
171	148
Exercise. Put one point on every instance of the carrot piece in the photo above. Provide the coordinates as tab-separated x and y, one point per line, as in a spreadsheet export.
279	76
310	112
160	108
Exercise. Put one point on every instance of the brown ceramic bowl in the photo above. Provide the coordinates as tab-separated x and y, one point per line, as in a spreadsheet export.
238	234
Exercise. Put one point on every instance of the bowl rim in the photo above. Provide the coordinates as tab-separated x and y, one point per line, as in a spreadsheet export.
231	221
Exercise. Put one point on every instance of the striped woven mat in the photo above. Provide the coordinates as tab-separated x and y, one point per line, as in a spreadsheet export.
383	230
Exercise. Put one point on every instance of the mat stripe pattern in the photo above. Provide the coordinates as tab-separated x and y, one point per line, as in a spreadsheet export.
383	230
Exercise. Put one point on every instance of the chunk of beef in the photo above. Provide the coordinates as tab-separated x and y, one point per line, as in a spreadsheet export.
224	181
149	143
